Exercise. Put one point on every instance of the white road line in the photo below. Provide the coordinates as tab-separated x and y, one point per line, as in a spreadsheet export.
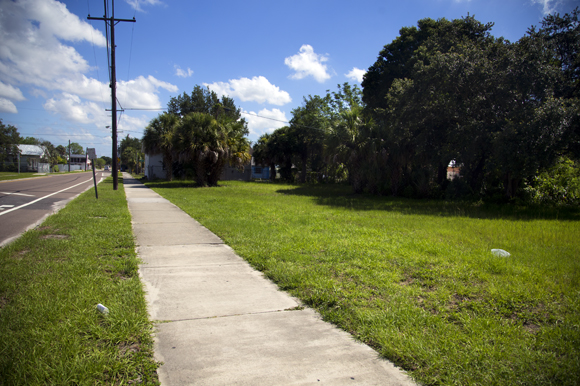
18	194
42	198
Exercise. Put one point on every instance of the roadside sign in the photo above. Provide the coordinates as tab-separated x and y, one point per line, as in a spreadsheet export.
92	153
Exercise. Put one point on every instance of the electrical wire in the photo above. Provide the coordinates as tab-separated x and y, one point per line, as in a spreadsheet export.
108	47
95	55
131	49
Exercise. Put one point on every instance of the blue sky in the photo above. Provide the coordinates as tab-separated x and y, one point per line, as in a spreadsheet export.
267	55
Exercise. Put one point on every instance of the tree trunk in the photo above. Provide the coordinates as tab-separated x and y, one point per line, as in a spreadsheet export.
272	171
168	162
511	185
303	173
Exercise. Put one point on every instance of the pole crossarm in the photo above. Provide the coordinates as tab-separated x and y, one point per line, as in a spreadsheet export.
111	19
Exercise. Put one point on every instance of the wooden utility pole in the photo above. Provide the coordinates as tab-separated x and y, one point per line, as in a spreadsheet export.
110	22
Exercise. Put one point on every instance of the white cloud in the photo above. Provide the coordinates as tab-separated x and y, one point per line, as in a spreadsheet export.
137	4
307	63
548	6
32	52
55	20
356	74
182	73
142	92
88	88
265	121
73	109
7	106
132	125
11	92
258	89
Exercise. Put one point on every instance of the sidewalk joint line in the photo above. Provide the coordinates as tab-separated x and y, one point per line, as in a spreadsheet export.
230	316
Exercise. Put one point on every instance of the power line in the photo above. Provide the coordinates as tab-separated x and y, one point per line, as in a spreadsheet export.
64	135
153	109
260	116
131	49
110	22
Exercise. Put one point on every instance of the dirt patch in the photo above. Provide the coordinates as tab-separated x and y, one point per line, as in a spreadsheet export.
532	328
126	348
407	281
20	255
3	301
58	237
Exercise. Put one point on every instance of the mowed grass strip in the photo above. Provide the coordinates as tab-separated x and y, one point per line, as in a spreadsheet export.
415	279
52	279
8	176
5	176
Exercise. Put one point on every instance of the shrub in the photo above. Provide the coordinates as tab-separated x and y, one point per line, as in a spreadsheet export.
559	184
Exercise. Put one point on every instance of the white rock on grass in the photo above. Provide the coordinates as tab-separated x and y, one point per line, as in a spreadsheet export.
500	253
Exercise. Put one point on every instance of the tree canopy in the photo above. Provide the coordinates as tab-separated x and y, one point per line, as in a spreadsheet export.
201	132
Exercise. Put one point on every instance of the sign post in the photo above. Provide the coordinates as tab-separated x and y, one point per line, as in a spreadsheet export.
92	154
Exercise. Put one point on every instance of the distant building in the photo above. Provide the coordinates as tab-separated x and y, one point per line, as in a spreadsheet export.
453	170
154	167
31	157
79	162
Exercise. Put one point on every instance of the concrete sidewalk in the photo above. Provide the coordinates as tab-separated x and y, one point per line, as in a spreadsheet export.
222	323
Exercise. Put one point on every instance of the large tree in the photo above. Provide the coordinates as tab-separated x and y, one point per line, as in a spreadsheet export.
9	139
130	152
75	148
307	129
204	100
397	59
211	144
264	154
448	90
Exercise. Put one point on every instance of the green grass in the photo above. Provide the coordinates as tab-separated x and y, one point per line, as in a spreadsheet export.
7	176
52	279
416	279
4	176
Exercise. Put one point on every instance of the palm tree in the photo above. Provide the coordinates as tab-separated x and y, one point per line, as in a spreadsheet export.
348	143
159	138
210	144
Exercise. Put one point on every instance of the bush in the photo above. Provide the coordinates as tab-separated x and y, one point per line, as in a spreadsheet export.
559	184
55	169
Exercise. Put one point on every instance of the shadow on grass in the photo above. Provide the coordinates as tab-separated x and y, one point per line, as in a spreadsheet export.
342	196
337	195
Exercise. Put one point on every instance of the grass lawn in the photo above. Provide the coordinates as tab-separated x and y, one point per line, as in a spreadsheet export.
6	176
415	279
52	279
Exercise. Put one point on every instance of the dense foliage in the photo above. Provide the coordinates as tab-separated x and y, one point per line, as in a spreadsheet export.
444	92
131	154
9	138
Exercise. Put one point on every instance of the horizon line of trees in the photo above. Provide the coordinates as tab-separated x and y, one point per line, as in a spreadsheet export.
10	138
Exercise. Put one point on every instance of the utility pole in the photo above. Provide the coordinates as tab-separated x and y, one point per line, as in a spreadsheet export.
111	23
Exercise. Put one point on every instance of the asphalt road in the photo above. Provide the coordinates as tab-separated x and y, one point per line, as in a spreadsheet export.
25	203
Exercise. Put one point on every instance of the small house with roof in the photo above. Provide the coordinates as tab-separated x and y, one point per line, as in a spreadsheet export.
31	159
